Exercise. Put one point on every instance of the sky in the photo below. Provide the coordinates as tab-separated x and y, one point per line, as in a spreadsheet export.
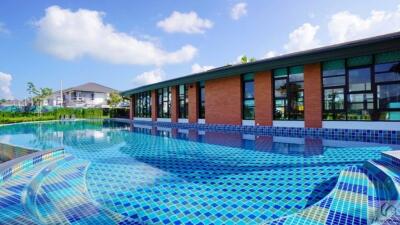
124	44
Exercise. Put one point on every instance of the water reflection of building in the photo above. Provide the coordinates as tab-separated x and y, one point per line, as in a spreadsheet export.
280	145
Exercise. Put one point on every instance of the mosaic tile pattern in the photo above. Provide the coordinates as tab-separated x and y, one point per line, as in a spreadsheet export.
354	200
53	193
7	172
164	180
118	176
11	206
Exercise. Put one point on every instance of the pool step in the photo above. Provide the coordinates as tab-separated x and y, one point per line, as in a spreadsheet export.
355	199
389	174
12	195
392	157
60	197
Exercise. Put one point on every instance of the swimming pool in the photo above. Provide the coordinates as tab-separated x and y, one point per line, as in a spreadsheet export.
159	175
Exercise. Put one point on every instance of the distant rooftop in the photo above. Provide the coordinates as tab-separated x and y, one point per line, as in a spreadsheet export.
91	87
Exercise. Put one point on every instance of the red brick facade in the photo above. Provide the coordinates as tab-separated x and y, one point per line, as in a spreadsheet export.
193	97
312	96
263	98
174	104
154	107
224	101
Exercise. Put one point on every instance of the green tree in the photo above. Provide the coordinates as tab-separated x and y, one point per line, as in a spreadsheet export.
244	59
37	96
32	90
114	99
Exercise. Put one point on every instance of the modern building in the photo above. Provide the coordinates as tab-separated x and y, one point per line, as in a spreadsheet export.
87	95
349	85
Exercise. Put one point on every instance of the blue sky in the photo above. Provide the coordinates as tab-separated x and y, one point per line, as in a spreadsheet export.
123	44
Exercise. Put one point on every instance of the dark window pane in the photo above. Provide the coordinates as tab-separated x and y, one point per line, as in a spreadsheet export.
330	73
388	96
334	81
385	77
334	99
202	94
280	109
248	110
296	77
360	79
280	88
388	67
249	89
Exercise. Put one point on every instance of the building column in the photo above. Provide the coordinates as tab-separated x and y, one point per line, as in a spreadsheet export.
263	98
154	105
224	100
132	108
312	96
193	96
174	104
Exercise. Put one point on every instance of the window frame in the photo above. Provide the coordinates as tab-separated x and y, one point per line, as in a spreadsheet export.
183	97
201	113
244	99
375	112
288	114
143	104
164	97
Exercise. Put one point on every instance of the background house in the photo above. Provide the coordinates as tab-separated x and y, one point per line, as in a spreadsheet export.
87	95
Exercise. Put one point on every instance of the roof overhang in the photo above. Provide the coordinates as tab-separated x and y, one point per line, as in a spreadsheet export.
378	44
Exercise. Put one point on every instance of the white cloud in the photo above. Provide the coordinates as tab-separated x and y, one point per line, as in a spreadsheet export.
3	28
270	54
196	68
302	38
239	10
69	35
149	77
189	23
5	84
345	26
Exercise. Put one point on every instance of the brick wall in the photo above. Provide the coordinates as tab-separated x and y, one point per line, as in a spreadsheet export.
312	96
154	105
174	104
263	98
193	96
224	101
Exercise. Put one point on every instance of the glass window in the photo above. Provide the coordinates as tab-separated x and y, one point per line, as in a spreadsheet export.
289	94
360	106
248	110
202	102
334	81
280	109
248	96
143	104
164	102
334	99
388	96
280	88
369	92
183	101
360	79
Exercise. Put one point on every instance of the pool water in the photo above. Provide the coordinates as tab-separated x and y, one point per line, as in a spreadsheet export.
163	175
